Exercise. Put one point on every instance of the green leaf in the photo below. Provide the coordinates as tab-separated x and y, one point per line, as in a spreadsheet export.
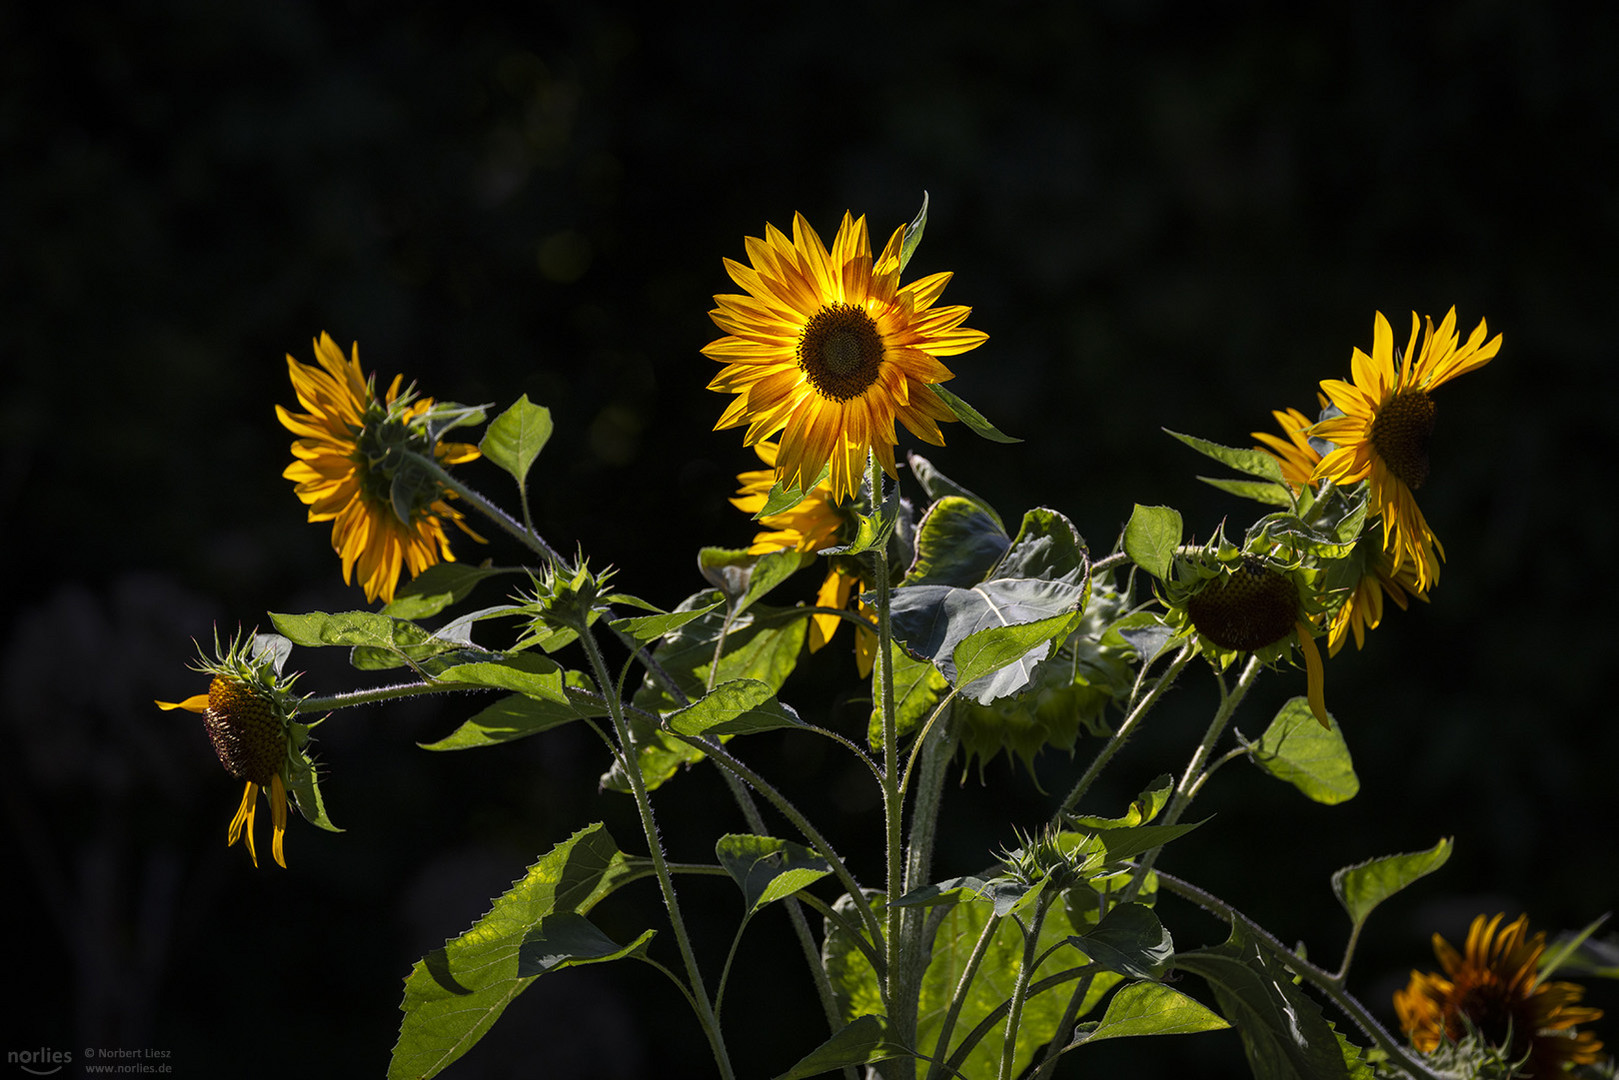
1047	546
304	786
1129	940
871	530
742	578
644	628
781	499
1258	490
1581	956
563	940
971	416
767	869
932	620
516	437
1362	887
1121	844
913	234
436	588
1298	750
959	930
846	956
513	717
996	647
1151	537
1149	1008
1282	1029
1252	462
917	688
456	993
739	707
525	672
950	891
936	485
863	1041
1146	806
957	543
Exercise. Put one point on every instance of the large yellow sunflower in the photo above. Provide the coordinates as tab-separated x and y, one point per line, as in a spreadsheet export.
829	349
1378	575
346	455
815	523
1387	423
1494	988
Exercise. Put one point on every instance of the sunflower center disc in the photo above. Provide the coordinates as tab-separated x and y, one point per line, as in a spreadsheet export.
1401	432
1248	609
840	351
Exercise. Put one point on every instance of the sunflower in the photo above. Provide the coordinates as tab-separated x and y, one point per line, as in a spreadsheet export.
1376	575
1387	424
1493	988
352	468
828	349
249	713
815	523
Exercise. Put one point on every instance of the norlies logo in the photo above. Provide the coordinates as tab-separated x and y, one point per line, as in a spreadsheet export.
41	1062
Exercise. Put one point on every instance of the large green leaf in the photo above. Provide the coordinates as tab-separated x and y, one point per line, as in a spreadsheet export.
957	542
645	628
516	716
846	957
1046	546
516	437
1362	887
525	672
932	620
456	993
1298	750
767	869
1282	1029
739	707
1151	536
742	578
1149	1008
437	587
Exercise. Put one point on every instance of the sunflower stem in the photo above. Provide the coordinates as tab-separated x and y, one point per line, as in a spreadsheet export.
643	804
526	536
1192	779
1126	729
1020	989
899	983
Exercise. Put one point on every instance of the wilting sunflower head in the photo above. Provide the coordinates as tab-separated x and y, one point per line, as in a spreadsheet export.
248	713
360	462
1493	992
1260	600
1386	425
827	348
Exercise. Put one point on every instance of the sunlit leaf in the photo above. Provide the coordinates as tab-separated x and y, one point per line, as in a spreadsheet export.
1150	1008
767	869
1298	750
516	437
1362	887
1151	536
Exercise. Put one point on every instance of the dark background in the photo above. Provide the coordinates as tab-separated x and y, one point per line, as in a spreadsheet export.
1162	217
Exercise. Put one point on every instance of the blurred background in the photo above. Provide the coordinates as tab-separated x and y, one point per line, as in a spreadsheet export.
1162	217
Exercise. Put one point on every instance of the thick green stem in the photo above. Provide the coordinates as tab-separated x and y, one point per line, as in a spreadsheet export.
649	827
899	992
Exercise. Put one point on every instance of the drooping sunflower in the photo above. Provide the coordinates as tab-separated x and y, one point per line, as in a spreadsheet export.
1375	575
1493	988
815	523
350	469
249	713
828	349
1387	424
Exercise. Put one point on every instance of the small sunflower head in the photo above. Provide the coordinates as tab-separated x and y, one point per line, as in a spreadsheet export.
1057	858
249	714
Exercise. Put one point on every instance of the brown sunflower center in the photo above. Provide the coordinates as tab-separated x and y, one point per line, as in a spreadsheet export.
1401	432
840	351
1500	1017
246	732
1247	609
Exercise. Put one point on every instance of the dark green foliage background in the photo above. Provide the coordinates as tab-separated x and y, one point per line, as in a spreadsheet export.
1161	216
